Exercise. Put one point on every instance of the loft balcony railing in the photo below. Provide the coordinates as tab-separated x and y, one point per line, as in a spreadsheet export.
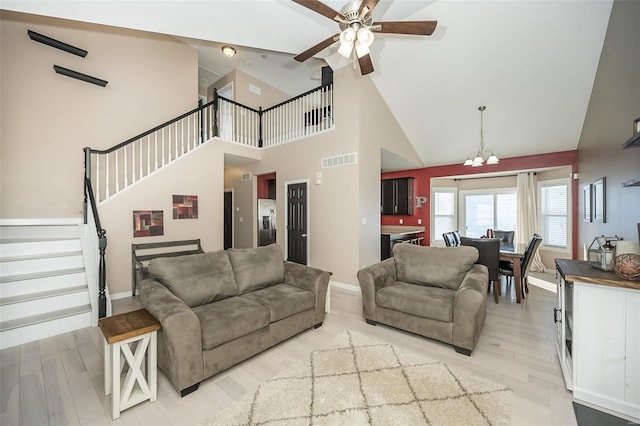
114	169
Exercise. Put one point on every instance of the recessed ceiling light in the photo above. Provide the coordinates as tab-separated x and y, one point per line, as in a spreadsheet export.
228	51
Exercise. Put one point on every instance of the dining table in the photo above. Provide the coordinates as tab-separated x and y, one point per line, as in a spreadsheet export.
515	253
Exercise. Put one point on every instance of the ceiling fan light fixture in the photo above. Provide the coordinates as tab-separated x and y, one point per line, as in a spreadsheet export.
229	51
347	39
361	49
365	36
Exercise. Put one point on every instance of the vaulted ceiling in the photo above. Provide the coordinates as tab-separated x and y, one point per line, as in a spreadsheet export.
532	63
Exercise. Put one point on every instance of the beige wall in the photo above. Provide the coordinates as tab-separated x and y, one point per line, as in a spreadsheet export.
48	118
378	130
614	104
333	206
268	96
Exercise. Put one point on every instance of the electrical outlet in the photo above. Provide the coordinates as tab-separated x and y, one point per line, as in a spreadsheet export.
401	221
419	221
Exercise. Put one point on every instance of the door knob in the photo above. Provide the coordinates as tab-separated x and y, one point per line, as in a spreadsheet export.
304	235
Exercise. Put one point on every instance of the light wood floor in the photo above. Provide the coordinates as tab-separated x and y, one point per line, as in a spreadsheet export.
59	381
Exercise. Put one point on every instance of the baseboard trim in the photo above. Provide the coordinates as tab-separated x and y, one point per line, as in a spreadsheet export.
116	296
344	286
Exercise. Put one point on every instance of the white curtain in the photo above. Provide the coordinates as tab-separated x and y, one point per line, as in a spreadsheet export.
527	215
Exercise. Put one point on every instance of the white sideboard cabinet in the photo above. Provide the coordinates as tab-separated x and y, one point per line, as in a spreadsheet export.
598	340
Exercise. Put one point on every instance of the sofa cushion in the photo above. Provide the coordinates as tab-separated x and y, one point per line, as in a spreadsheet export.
229	319
197	279
443	267
419	300
258	267
282	300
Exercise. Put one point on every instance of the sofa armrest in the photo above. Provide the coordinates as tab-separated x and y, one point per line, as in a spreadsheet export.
470	307
311	279
373	278
179	339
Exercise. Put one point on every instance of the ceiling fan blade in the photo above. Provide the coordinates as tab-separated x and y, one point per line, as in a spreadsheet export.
405	27
366	66
317	48
370	4
321	8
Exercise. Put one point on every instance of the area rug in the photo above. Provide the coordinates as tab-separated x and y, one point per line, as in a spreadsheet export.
357	380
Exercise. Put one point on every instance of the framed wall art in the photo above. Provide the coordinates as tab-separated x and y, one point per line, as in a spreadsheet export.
599	200
586	211
185	206
148	223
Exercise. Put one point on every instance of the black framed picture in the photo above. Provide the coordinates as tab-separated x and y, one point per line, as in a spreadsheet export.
587	203
599	200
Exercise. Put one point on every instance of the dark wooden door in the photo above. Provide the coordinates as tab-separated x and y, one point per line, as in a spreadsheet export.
228	219
297	223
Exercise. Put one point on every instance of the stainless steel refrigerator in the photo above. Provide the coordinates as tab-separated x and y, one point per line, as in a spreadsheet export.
266	222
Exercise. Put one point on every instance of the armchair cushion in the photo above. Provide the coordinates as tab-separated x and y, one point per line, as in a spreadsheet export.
196	279
422	301
258	267
443	267
229	319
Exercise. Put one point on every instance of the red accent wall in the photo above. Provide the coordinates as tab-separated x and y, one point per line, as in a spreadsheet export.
422	185
263	188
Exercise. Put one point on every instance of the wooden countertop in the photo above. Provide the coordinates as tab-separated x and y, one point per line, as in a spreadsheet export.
400	229
581	270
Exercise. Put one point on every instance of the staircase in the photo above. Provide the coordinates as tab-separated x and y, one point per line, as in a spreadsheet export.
43	282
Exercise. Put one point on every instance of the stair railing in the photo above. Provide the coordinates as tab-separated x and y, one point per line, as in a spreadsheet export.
97	234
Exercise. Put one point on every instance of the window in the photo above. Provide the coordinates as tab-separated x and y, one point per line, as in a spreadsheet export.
444	212
554	212
488	209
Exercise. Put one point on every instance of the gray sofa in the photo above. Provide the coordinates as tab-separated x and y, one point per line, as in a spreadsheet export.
219	308
437	292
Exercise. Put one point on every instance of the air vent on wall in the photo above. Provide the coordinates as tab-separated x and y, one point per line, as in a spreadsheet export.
246	176
340	160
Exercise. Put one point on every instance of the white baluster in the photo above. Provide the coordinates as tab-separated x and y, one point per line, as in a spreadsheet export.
126	175
155	150
163	157
116	172
107	179
181	137
97	176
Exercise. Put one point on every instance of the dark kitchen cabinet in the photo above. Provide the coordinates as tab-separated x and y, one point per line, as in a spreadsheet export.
396	196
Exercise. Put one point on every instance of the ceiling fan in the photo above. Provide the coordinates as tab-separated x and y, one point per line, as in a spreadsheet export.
357	28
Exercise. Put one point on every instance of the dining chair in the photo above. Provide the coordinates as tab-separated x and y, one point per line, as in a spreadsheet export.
525	266
489	256
506	237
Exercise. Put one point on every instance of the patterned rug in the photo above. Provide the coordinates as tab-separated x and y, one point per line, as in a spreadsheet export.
357	380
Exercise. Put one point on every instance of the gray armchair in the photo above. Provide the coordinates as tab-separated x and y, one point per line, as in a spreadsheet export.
437	292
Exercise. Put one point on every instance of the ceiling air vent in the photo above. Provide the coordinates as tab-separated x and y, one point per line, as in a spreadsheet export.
340	160
246	176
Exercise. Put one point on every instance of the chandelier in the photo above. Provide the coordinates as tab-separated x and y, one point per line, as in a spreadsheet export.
482	156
